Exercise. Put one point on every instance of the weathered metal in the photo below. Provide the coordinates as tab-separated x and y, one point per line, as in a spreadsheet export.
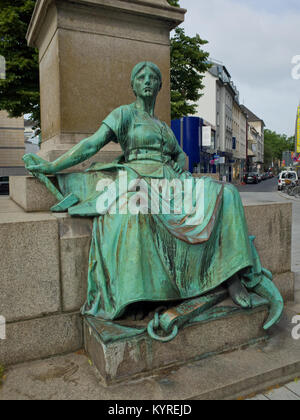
176	317
157	257
64	202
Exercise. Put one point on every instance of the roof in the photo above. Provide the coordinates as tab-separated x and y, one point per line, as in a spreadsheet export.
251	117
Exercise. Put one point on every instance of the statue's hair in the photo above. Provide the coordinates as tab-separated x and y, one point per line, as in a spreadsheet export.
140	66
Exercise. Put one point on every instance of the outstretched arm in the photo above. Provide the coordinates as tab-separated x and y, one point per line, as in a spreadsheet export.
79	153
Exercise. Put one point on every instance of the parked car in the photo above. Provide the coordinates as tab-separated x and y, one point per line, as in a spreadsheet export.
251	178
4	185
287	176
259	176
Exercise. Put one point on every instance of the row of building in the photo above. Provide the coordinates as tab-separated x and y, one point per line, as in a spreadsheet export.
230	138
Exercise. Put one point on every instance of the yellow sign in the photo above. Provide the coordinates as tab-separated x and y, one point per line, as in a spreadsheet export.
298	130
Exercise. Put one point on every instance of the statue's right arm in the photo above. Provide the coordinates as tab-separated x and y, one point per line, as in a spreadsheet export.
79	153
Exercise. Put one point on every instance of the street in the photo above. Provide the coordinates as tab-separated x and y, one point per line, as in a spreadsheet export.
268	185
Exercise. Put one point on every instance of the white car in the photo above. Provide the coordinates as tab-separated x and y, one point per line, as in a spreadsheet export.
286	175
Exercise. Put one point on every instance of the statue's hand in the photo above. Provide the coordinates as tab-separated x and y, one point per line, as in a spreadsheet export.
35	164
178	168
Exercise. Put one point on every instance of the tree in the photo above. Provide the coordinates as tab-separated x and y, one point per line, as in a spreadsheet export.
189	63
188	66
174	3
19	92
275	145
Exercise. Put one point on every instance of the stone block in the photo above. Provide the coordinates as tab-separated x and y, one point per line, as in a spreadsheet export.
285	283
30	271
272	225
40	338
29	193
86	47
75	238
119	360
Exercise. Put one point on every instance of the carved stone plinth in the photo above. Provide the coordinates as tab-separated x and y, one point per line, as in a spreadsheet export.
87	49
123	350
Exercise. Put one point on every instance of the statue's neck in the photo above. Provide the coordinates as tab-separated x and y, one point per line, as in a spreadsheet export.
146	105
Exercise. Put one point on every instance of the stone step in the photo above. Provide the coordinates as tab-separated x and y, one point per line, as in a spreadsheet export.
236	375
121	352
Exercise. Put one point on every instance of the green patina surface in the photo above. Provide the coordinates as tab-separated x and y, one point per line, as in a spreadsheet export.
108	332
161	257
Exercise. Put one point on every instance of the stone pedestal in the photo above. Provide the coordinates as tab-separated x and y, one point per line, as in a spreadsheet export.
87	49
43	277
120	352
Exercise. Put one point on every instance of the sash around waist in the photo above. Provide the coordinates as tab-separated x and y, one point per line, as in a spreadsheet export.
144	154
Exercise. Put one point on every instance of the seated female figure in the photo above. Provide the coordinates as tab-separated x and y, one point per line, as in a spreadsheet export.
157	257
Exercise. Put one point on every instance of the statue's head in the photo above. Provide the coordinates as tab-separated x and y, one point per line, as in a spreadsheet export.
140	68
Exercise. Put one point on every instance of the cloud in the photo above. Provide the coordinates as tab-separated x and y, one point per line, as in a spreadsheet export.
256	41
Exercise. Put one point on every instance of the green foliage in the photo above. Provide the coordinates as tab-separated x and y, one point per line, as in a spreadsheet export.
174	3
188	65
19	92
276	144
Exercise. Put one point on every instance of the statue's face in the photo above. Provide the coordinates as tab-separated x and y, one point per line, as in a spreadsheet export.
146	83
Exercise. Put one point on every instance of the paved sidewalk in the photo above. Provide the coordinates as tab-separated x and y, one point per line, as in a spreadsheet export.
290	391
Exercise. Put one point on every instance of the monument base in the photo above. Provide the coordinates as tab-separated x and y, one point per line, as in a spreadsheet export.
122	350
47	297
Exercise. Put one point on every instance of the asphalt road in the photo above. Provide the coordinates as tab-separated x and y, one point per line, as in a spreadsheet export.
269	185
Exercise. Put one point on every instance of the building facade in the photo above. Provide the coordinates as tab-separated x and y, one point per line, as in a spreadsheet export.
239	141
219	107
12	146
256	141
236	136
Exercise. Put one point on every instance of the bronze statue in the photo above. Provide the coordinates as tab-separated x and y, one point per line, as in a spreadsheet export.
158	257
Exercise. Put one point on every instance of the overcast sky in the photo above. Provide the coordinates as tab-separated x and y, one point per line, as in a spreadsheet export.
256	40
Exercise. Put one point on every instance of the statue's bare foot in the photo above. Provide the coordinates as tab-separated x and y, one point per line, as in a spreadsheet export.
239	293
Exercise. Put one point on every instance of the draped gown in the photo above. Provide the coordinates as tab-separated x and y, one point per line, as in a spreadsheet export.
157	257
